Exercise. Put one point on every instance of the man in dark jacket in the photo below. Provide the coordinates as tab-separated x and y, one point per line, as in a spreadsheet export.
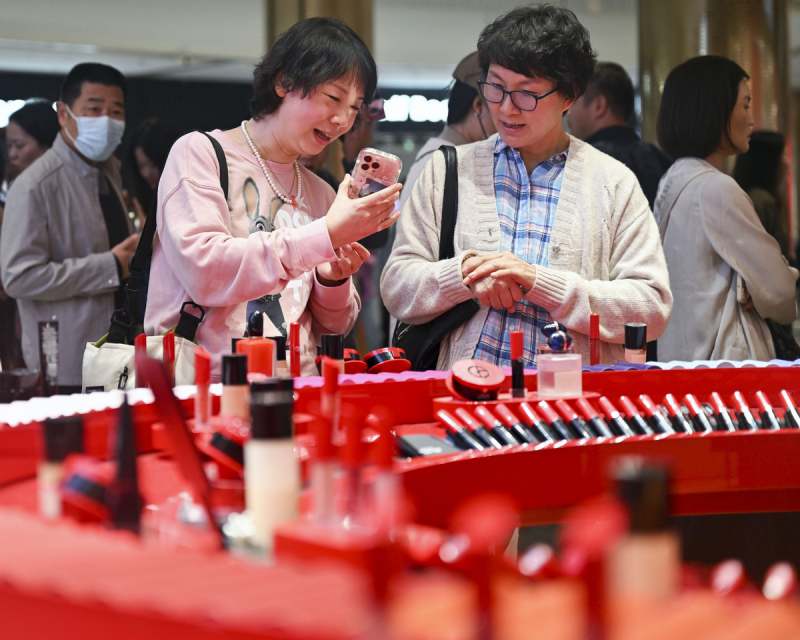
602	117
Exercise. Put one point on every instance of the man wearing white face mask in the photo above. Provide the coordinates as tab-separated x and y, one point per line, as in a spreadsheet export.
67	240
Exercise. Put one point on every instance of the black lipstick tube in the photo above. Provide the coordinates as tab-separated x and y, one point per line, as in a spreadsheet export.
477	429
657	420
596	423
517	365
769	420
679	421
554	421
538	427
637	422
744	417
575	422
699	418
617	423
497	428
721	413
514	425
459	435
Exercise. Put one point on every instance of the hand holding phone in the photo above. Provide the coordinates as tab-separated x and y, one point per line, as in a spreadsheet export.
374	170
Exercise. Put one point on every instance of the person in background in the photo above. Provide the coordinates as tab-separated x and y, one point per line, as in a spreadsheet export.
283	243
468	119
66	238
761	172
30	132
603	117
727	273
548	226
146	156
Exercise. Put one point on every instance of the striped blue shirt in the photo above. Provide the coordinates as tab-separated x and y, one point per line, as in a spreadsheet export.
526	205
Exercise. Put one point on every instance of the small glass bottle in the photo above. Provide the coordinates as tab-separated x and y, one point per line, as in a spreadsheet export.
635	342
235	389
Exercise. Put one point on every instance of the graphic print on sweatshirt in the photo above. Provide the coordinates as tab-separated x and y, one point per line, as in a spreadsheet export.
267	215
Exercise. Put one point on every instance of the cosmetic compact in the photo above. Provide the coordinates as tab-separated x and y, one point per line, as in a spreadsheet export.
386	360
475	380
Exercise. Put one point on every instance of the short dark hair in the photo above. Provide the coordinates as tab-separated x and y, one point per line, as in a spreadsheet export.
611	81
39	120
696	105
540	41
460	102
89	72
760	167
312	52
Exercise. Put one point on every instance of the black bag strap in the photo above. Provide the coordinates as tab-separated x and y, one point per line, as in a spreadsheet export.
449	203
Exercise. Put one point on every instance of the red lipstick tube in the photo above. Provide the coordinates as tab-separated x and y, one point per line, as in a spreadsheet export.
721	413
743	415
477	429
699	418
618	424
768	418
637	422
517	365
679	421
294	349
514	425
553	420
573	419
458	434
496	427
791	417
594	338
596	423
168	355
537	426
140	352
657	420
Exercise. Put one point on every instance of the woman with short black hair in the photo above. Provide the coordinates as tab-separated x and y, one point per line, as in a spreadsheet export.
282	244
727	273
549	228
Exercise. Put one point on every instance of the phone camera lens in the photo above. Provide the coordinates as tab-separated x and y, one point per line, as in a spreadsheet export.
375	165
367	158
365	166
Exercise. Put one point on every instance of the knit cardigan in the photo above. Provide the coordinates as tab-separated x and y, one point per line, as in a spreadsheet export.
605	253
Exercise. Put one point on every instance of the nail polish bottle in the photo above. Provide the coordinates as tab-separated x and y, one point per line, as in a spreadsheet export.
62	436
235	390
635	342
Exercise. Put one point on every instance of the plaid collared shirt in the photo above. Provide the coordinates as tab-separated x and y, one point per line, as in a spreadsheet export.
526	205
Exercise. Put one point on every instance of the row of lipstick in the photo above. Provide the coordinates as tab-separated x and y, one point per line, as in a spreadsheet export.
496	425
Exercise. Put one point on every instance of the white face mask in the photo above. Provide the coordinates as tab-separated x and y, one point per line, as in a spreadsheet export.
98	136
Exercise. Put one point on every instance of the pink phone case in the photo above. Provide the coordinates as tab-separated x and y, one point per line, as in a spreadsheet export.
374	170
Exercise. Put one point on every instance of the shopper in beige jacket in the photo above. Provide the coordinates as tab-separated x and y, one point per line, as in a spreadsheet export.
727	273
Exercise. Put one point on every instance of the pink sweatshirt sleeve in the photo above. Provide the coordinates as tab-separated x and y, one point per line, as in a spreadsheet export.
214	267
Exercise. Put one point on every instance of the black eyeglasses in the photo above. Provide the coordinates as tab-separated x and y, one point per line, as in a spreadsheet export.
522	100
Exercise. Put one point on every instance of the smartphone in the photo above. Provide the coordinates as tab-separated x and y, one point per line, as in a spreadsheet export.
374	170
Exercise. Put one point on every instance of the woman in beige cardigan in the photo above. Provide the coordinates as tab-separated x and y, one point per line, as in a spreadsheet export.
727	273
599	251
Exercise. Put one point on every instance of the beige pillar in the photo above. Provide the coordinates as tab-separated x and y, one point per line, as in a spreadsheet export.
751	32
282	14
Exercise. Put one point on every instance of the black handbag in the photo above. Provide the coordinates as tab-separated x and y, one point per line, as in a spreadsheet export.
421	341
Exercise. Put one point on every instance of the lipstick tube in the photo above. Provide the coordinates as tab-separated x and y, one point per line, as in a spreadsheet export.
140	351
458	434
202	395
573	419
721	414
323	471
637	422
679	421
657	420
791	417
594	338
329	398
768	418
294	349
352	461
517	365
744	417
554	421
514	425
596	423
168	355
477	429
619	426
699	418
387	492
537	426
496	427
124	499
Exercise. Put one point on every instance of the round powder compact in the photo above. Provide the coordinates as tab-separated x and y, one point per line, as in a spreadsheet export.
385	360
475	380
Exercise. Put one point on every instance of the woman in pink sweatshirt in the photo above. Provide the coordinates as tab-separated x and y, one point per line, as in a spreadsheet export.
282	242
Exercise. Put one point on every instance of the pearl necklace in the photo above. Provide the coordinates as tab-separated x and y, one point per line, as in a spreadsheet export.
292	200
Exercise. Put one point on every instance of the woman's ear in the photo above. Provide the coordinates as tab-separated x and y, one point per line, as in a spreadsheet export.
280	89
